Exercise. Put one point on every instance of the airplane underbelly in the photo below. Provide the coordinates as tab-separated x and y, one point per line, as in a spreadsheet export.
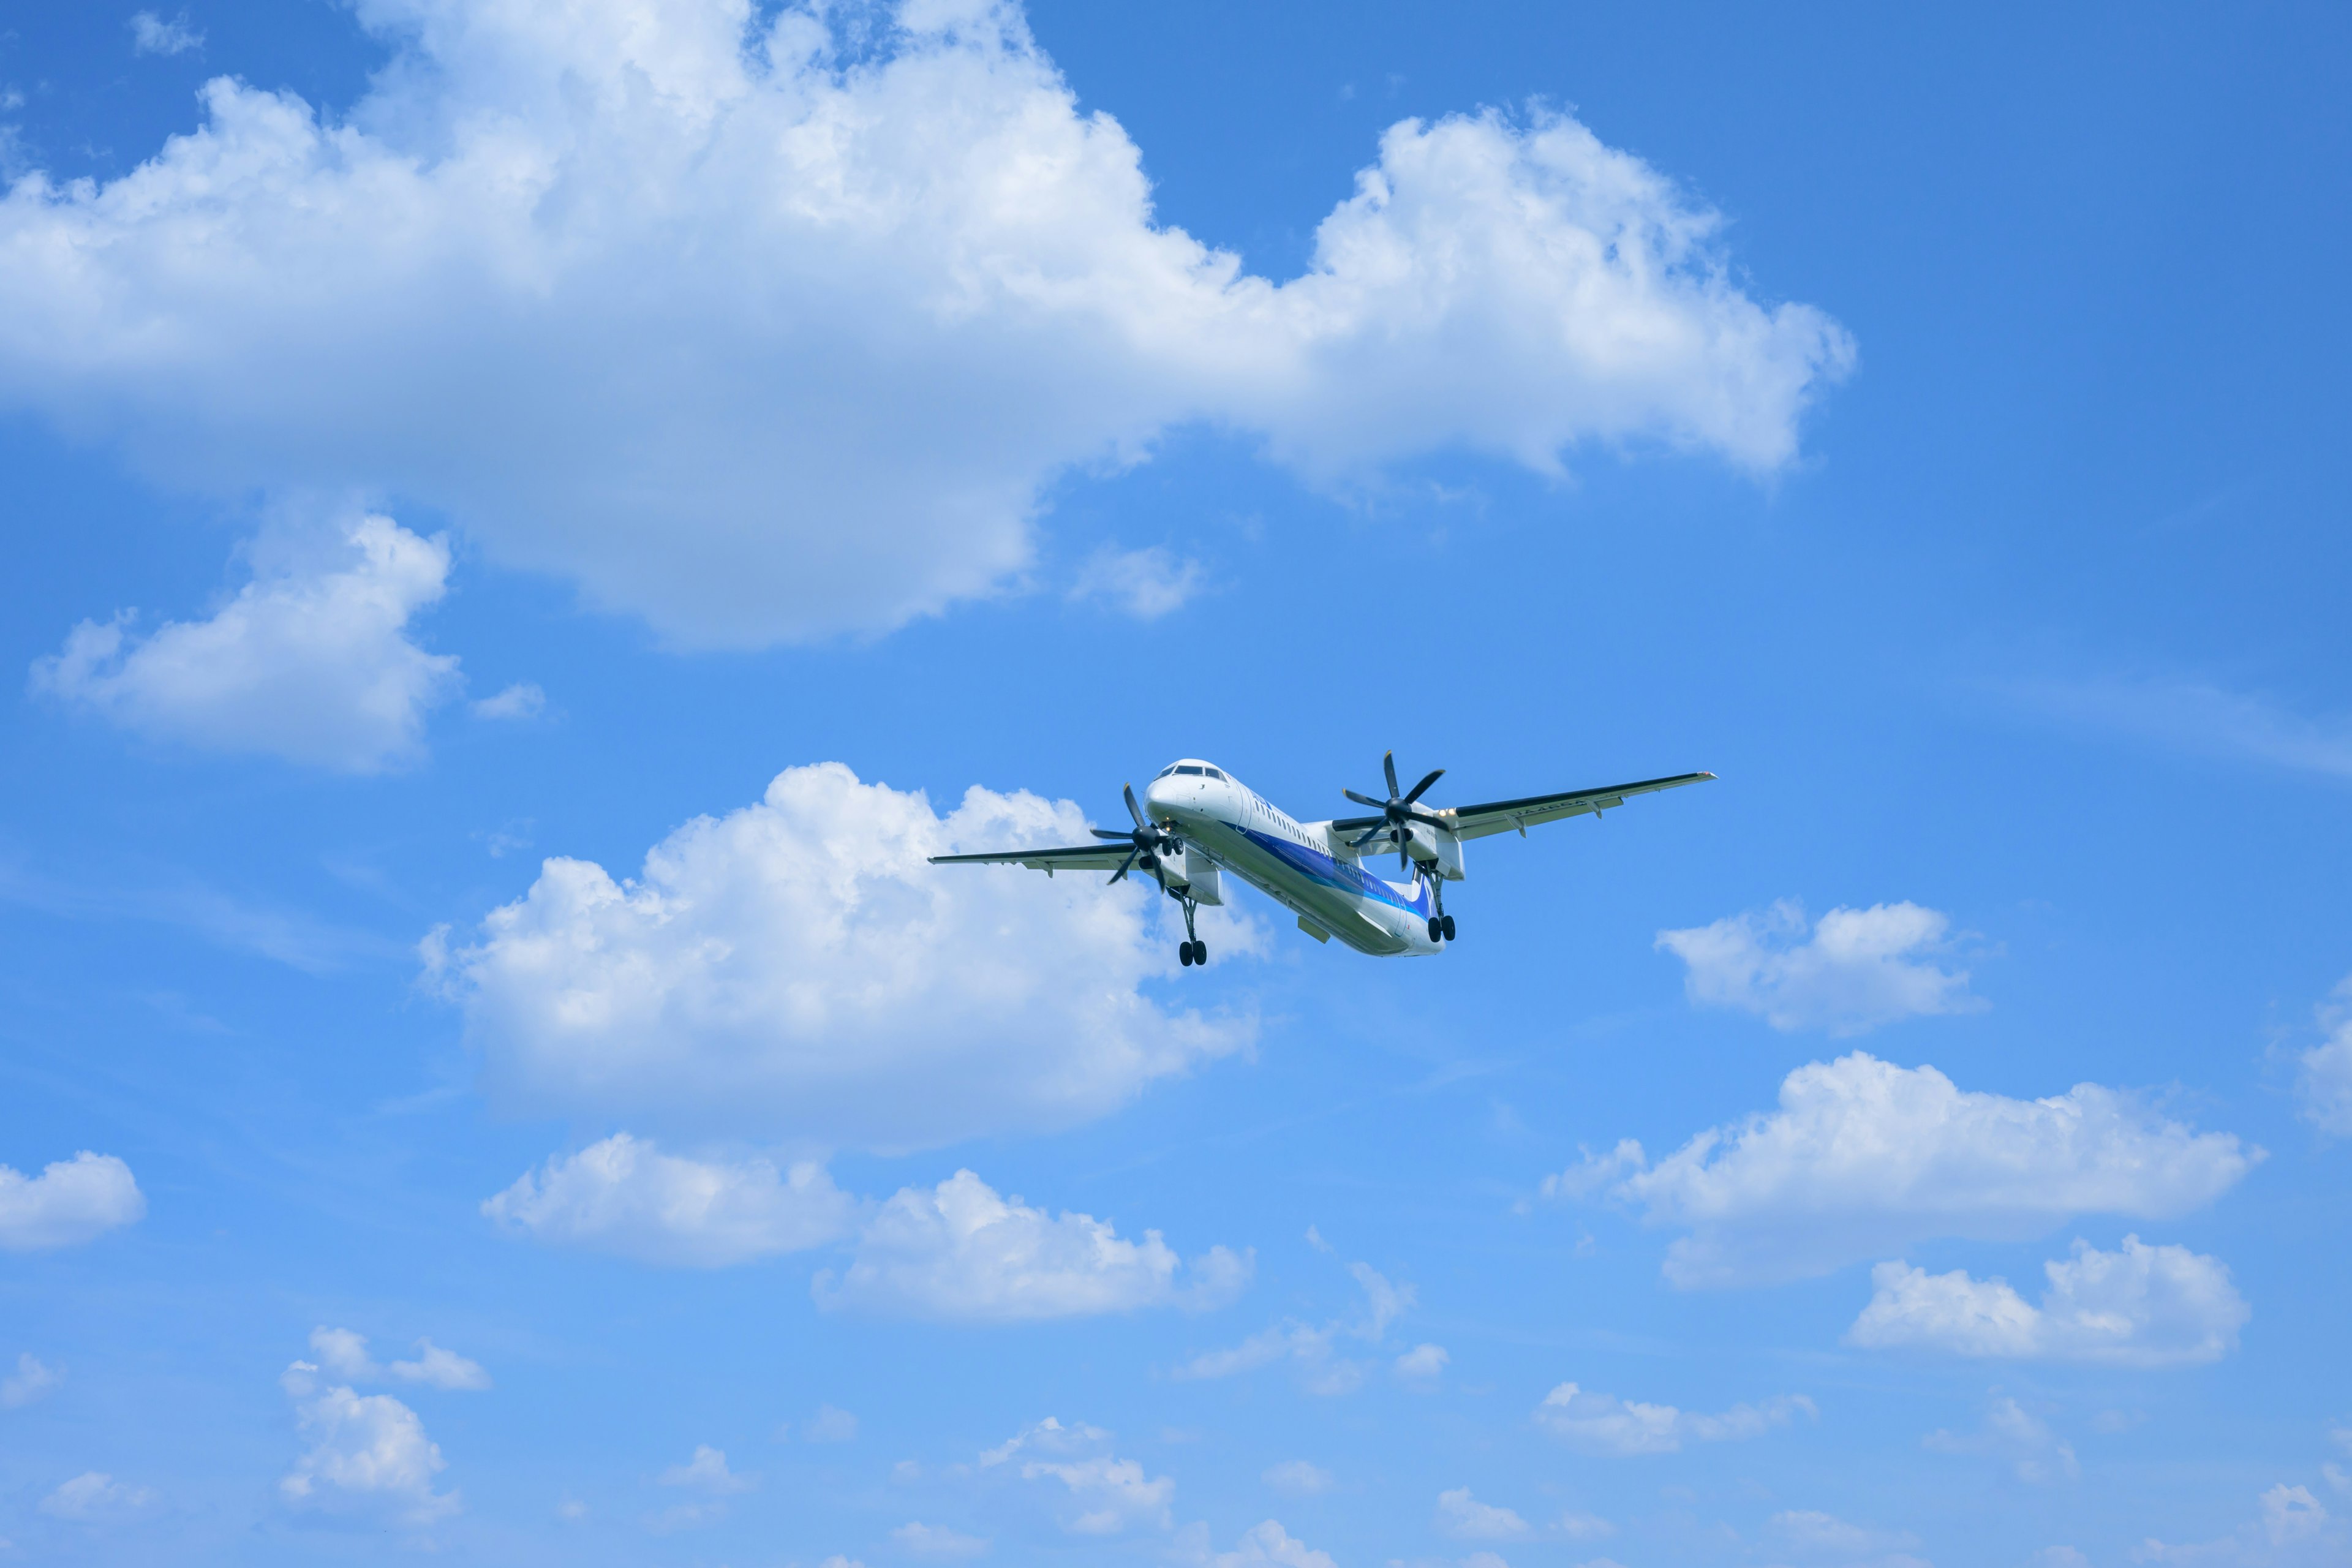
1344	914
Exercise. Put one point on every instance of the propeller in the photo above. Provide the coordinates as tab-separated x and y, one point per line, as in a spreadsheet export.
1398	812
1151	842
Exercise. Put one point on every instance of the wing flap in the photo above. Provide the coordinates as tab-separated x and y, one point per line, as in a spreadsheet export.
1504	816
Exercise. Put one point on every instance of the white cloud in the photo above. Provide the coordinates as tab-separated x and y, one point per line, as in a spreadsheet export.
34	1379
2203	717
1815	1533
311	662
796	970
830	1426
1266	1545
1107	1494
2145	1306
1856	968
70	1202
2291	1529
623	1195
369	1454
96	1498
1594	1423
1313	1349
1298	1477
936	1541
1146	584
2325	1083
152	35
1864	1158
522	701
907	281
706	1472
2015	1434
1465	1518
1422	1363
343	1354
962	1252
1581	1526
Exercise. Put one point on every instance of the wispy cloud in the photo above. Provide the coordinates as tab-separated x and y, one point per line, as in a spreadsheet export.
152	35
291	937
2203	717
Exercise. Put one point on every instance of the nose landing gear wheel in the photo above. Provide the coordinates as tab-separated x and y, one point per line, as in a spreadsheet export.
1436	929
1448	923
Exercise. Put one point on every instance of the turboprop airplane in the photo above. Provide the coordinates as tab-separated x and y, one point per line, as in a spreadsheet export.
1198	822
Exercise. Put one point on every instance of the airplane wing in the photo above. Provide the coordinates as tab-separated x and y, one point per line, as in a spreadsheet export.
1502	815
1105	856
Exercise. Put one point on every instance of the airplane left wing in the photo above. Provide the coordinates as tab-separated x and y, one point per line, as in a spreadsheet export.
1077	858
1502	815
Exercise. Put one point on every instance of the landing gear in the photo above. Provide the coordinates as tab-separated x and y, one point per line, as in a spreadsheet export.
1192	949
1440	924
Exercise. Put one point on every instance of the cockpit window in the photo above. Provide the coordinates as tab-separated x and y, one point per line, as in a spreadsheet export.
1212	772
1187	768
1165	771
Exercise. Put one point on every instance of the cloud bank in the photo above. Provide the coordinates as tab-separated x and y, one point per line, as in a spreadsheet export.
2143	1306
767	329
623	1195
1864	1158
796	970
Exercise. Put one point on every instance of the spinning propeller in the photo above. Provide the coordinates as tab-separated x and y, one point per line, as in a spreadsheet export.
1398	812
1151	843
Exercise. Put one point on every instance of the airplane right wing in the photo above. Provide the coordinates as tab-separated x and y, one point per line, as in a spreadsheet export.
1502	815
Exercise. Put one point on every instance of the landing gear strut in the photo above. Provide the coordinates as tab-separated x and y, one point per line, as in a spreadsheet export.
1192	949
1440	924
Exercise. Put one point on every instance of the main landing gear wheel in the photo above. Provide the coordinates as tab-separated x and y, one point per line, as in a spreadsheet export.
1192	952
1184	953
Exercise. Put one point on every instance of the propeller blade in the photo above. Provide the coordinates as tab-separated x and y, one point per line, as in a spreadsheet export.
1388	765
1365	800
1133	810
1365	836
1109	833
1121	875
1434	774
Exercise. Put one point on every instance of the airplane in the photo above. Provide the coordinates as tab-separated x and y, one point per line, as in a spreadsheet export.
1201	822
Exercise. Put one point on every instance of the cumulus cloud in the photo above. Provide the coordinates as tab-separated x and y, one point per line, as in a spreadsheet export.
1815	1533
706	1472
2143	1306
795	969
1853	971
960	1251
1105	1495
905	282
311	662
2325	1084
369	1457
33	1379
1595	1423
1146	584
2017	1437
343	1354
1266	1545
624	1195
1313	1349
70	1202
1465	1518
1422	1363
152	35
96	1498
1864	1158
2291	1529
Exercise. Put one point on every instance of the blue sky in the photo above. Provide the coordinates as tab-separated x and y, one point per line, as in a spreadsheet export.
495	445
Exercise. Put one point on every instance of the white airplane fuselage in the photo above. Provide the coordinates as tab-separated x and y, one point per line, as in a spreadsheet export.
1301	866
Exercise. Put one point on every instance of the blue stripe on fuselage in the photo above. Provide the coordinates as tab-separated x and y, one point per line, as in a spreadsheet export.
1319	867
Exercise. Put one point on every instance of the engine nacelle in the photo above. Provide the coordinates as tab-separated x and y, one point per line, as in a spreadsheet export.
1436	850
1197	875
